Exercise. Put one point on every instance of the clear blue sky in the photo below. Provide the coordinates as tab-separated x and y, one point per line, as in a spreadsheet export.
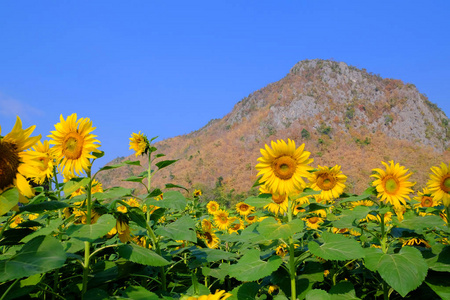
168	67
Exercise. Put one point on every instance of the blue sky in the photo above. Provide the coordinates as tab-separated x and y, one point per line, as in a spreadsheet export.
168	67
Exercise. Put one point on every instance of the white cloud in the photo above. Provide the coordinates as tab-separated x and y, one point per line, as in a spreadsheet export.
10	107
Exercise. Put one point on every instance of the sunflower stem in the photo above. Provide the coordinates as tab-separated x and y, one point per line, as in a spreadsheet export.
87	254
87	245
447	215
292	269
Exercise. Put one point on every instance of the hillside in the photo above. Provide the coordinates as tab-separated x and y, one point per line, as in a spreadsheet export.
344	115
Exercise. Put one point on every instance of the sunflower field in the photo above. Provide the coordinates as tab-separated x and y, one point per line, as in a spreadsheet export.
62	236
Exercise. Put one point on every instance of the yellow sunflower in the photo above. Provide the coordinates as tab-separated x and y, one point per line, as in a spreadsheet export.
313	222
74	143
218	295
16	164
139	143
212	207
221	219
207	225
279	206
392	185
281	250
211	239
251	219
197	193
298	209
122	229
330	181
244	209
416	242
236	225
283	167
439	184
42	153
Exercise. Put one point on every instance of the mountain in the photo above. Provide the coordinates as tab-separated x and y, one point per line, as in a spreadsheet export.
344	115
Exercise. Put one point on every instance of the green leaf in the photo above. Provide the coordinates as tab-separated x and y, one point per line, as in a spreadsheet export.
127	162
439	283
96	294
91	232
134	179
139	293
272	230
44	206
372	258
313	272
342	291
141	255
74	184
137	215
8	199
250	267
336	247
365	195
246	291
212	255
40	255
403	271
440	262
172	199
98	153
113	193
221	272
164	163
349	216
49	229
259	201
420	223
181	229
317	295
172	186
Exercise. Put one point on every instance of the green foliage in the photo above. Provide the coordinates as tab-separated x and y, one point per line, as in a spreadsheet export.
8	199
305	134
250	267
336	247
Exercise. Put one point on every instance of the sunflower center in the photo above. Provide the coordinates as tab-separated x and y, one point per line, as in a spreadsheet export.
391	185
9	162
445	183
208	237
243	207
284	167
278	199
326	182
313	220
73	145
426	201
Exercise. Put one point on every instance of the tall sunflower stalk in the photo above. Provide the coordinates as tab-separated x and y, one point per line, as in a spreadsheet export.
282	167
141	145
75	149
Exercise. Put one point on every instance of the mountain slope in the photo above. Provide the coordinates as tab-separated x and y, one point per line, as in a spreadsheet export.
344	116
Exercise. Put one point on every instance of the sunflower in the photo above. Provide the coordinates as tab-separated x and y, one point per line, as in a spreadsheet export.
197	193
74	143
392	185
207	225
42	153
439	184
212	207
298	209
313	222
283	167
244	209
251	219
281	250
279	204
222	220
122	229
236	225
16	165
218	295
139	143
211	240
330	181
416	242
